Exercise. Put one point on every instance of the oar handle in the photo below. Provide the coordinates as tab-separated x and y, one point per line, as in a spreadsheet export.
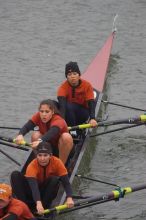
14	146
57	209
83	126
22	142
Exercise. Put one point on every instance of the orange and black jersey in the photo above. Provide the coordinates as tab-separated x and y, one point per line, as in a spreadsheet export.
51	130
37	175
54	168
80	94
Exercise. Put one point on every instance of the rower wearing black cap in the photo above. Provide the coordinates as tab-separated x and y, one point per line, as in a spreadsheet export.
76	97
38	187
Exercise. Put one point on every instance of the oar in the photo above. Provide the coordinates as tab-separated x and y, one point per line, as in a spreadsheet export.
118	129
11	128
84	206
11	140
121	105
7	155
14	146
113	195
134	120
76	208
95	180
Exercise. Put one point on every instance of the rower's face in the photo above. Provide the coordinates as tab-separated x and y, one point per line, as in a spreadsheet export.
43	159
45	113
73	78
3	203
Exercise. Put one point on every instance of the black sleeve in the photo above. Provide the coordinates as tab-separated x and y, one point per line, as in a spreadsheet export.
91	105
52	132
66	185
62	105
34	188
27	127
10	216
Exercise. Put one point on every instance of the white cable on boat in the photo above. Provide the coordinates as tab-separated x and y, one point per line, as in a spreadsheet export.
114	29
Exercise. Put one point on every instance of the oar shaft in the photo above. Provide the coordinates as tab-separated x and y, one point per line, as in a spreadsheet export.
118	129
125	106
7	155
84	206
122	121
14	146
6	139
127	190
9	128
96	180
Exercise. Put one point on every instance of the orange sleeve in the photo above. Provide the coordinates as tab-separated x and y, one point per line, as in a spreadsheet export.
16	209
89	92
59	122
60	168
31	170
20	209
62	91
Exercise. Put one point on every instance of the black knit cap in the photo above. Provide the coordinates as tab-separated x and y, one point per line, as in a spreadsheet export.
44	147
72	67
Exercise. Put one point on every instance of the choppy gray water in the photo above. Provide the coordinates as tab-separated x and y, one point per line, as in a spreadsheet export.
37	39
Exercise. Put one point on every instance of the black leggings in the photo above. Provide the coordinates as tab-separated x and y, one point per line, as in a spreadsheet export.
76	114
22	190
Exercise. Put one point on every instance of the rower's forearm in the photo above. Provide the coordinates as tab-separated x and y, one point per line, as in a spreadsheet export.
91	105
27	127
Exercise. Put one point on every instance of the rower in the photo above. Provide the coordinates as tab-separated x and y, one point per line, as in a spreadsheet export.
39	186
76	98
52	128
11	208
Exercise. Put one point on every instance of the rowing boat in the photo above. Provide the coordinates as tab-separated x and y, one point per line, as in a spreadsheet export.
96	74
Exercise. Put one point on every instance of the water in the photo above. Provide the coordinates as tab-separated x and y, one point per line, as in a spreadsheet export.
37	39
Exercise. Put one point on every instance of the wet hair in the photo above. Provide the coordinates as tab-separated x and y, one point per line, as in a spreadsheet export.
72	67
44	147
52	104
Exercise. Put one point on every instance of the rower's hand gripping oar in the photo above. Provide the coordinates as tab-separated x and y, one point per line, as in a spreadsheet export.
134	120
